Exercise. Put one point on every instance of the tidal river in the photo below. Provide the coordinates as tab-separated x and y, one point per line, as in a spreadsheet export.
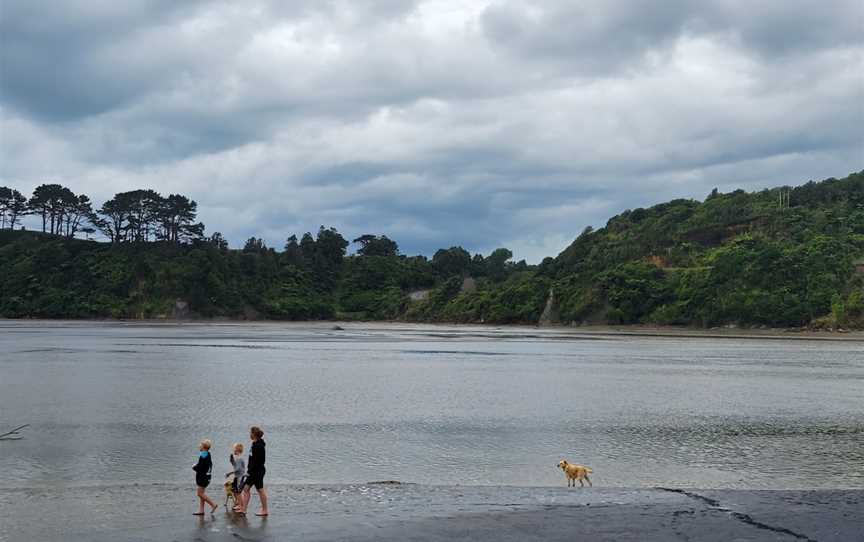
118	403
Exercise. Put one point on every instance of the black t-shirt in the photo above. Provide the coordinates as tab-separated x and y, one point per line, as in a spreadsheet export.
257	455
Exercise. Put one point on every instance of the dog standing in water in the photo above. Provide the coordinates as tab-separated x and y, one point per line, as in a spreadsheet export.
575	472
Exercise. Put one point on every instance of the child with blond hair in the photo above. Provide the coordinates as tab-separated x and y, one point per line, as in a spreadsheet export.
239	466
202	477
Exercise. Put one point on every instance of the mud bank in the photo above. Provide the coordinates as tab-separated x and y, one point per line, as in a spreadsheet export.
386	512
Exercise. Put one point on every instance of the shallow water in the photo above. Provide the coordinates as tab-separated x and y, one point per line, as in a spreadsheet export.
374	513
119	403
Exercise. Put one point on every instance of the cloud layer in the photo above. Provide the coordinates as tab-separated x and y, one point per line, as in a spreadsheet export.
504	123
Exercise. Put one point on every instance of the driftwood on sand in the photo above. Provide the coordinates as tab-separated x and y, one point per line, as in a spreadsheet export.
13	434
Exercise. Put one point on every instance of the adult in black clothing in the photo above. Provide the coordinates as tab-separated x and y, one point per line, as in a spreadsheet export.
255	472
202	477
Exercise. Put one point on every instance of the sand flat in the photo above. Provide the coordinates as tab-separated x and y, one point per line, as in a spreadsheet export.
160	512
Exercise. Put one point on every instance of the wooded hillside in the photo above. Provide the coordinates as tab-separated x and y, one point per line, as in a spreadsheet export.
789	256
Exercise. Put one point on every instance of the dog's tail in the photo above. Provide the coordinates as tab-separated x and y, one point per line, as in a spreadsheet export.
588	470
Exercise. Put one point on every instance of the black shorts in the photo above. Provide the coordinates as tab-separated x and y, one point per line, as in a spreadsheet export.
255	479
202	480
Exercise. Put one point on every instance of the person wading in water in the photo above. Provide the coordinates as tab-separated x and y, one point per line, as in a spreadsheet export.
255	473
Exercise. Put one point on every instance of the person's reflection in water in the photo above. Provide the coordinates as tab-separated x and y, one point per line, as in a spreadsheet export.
237	520
238	526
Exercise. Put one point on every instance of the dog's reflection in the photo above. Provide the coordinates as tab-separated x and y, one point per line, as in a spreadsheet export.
237	520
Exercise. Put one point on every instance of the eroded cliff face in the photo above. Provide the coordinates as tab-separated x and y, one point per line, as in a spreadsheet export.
181	310
551	314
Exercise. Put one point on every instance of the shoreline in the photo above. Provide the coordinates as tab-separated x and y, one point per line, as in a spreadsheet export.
439	513
50	486
551	331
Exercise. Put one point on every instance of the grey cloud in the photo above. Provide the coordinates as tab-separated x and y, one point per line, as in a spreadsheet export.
63	60
594	36
606	36
437	123
785	27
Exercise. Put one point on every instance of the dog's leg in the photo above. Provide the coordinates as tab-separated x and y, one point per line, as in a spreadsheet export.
589	481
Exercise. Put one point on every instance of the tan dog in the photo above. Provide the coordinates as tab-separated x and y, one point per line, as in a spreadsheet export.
575	472
229	490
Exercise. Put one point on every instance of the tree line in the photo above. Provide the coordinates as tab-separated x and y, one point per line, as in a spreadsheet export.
144	215
135	216
788	256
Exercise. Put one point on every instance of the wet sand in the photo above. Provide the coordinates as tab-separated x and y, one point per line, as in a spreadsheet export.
369	513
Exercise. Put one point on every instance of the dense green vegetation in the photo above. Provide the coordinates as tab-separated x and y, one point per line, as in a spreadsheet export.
51	276
780	257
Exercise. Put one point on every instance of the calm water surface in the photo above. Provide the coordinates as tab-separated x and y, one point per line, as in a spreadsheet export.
119	403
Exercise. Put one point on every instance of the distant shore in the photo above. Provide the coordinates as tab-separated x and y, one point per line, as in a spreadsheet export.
638	330
554	330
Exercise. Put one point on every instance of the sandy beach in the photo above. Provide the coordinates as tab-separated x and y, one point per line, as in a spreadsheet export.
159	512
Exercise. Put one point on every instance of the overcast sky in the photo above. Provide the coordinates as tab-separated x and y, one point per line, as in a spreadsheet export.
485	124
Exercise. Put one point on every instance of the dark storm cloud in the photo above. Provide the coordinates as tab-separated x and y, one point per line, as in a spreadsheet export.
438	122
607	35
64	60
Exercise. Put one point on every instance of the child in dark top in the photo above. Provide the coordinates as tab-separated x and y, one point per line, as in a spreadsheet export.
202	477
255	473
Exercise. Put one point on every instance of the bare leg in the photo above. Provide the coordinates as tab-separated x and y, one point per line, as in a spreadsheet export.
262	494
208	500
199	492
244	498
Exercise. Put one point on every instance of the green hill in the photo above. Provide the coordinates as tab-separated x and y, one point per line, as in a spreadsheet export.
789	256
780	257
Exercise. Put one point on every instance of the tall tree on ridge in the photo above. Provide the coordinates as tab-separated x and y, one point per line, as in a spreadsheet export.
13	205
454	261
329	253
76	210
374	245
176	215
307	248
112	219
61	210
51	202
293	254
143	208
496	263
